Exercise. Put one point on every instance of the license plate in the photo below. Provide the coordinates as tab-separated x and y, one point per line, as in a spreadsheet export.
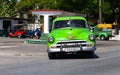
71	49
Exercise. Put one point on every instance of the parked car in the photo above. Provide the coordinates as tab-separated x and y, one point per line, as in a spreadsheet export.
102	33
19	30
18	33
70	34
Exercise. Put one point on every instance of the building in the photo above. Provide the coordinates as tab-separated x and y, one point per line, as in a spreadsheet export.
47	14
7	24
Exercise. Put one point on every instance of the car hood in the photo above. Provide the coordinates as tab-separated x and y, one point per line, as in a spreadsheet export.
71	34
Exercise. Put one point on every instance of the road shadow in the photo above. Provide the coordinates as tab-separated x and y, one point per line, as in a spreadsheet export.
76	56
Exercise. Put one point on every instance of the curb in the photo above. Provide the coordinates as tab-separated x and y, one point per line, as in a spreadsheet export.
33	41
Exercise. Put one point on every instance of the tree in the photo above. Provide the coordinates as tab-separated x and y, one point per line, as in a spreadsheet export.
90	7
8	8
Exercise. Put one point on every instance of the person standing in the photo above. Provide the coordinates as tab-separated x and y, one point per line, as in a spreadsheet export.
38	32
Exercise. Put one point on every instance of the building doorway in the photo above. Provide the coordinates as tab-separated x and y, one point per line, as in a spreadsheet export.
6	27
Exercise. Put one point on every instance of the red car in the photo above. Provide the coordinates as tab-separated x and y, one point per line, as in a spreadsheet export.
18	33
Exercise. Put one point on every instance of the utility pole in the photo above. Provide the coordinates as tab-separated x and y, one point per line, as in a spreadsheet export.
100	12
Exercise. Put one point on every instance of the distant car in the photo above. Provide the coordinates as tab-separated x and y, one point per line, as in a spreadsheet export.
102	33
70	34
18	33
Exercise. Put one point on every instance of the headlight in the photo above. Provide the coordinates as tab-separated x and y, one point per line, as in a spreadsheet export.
51	39
91	37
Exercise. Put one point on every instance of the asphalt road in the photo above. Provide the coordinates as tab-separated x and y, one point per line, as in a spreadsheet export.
17	47
106	61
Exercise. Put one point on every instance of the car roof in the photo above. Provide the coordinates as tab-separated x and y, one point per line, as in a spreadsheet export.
69	17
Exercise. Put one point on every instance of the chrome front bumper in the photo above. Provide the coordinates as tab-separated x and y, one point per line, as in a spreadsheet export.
80	49
72	46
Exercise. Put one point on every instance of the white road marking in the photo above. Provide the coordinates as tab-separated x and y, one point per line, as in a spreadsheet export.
8	46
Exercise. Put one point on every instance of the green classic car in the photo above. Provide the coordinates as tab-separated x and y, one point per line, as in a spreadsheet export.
70	34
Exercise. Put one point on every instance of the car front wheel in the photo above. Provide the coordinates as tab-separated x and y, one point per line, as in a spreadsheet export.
90	53
52	55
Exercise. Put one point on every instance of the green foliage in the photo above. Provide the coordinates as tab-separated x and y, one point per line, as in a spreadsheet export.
49	4
9	8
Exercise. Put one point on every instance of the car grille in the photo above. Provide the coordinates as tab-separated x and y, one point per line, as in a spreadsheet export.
71	44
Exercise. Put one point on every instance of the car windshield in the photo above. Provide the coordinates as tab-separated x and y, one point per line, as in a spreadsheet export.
70	23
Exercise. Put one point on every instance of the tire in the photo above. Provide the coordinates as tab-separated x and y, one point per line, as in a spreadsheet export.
102	37
51	55
89	54
19	36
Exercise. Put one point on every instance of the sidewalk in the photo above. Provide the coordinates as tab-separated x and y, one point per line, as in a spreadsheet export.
17	47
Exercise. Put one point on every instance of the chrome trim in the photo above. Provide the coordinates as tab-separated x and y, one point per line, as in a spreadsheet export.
82	44
83	49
